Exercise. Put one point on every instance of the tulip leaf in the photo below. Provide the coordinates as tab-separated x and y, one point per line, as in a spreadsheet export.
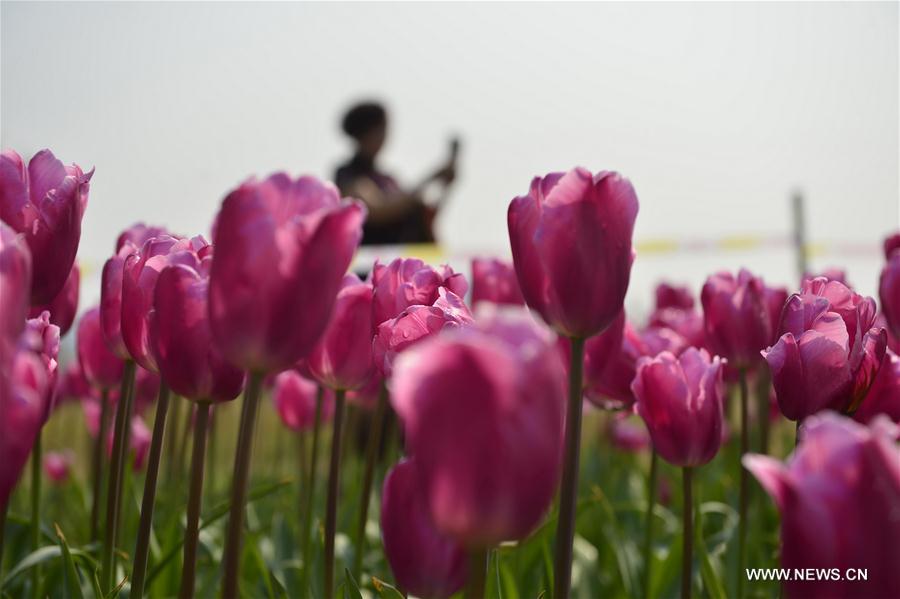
351	590
70	572
712	581
386	591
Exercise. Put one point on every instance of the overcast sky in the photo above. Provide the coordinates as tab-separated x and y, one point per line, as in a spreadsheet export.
716	111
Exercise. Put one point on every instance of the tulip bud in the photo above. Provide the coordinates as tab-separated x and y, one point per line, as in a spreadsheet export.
57	465
673	296
295	401
889	287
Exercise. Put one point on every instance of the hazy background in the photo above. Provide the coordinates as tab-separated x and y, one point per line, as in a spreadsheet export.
716	111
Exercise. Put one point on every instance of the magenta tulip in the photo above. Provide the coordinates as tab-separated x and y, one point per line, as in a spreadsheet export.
838	496
415	324
101	367
64	306
45	202
57	465
495	281
366	396
571	246
295	401
15	288
889	287
425	562
673	296
736	317
282	249
138	234
483	408
628	435
72	385
829	351
680	400
409	282
42	338
884	395
775	299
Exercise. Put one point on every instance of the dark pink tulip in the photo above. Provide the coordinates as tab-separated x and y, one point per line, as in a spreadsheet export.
138	234
146	390
64	306
829	351
409	282
832	274
736	317
627	434
139	441
673	296
838	496
891	244
495	281
188	360
15	287
42	338
889	291
775	298
72	385
884	395
45	202
282	249
367	395
483	409
342	359
571	246
680	400
425	562
57	465
295	401
609	364
101	367
415	324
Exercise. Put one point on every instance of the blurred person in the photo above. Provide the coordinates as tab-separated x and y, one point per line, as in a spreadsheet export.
396	215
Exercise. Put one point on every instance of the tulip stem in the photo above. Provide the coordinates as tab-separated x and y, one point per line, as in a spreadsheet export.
98	469
797	434
239	480
478	565
3	511
211	454
310	493
192	528
744	482
687	552
762	390
648	528
148	502
333	489
565	531
36	452
116	471
172	441
372	447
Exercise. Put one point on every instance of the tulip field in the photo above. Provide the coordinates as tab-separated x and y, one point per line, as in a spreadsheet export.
244	416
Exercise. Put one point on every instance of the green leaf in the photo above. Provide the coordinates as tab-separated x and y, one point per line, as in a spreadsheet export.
73	582
712	580
386	591
35	558
351	590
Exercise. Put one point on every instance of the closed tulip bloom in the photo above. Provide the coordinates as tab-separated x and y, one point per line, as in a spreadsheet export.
101	367
495	281
409	282
736	317
415	324
425	562
15	286
838	496
673	296
45	202
891	244
889	291
280	244
483	408
64	306
294	396
680	400
884	395
57	465
342	359
775	298
628	435
571	246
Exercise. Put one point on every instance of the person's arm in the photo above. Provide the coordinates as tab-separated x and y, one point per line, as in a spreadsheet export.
383	207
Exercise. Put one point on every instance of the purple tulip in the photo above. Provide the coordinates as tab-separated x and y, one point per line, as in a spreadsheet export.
280	244
15	288
483	408
45	202
673	296
884	395
889	285
101	367
838	496
495	281
737	317
295	401
64	306
571	246
425	562
138	234
680	400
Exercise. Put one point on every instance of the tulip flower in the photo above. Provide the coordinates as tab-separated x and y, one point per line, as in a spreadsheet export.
495	281
884	395
15	288
673	296
409	282
425	562
72	385
101	367
295	401
889	287
680	400
45	202
57	465
64	306
838	496
609	364
627	435
736	317
42	338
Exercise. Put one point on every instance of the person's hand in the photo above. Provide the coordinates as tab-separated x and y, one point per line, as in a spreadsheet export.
447	174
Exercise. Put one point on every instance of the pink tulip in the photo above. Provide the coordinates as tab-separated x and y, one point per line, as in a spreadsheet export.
495	281
15	287
571	246
675	311
138	234
891	243
889	288
72	385
342	359
57	465
737	317
884	395
838	496
415	324
146	390
832	274
45	202
628	435
680	400
409	282
775	299
366	396
673	296
42	338
609	364
101	367
64	306
483	408
425	562
829	351
282	249
295	401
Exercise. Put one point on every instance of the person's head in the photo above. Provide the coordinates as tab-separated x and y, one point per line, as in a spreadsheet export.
366	123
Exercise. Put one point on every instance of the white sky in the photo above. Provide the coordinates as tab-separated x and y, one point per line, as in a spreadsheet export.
714	110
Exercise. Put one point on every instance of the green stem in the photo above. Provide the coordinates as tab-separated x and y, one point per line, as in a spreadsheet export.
565	531
744	482
762	391
174	427
240	478
372	447
687	551
211	484
195	497
117	466
648	524
478	564
797	434
145	528
310	494
36	455
334	473
3	511
98	469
